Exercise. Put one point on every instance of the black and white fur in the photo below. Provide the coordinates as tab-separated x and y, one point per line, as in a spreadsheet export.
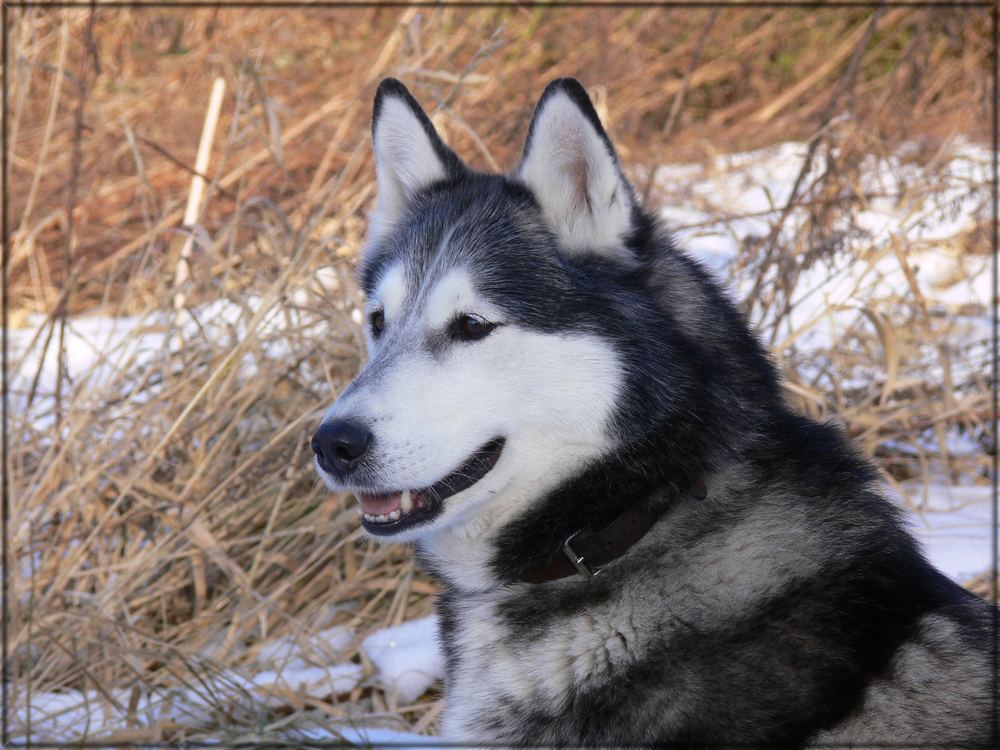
789	607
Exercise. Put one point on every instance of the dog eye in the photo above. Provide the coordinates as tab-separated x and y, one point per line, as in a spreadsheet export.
471	328
377	321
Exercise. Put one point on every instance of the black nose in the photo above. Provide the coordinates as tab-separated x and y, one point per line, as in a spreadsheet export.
339	445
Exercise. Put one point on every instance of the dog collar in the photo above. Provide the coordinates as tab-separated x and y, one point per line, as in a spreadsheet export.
585	552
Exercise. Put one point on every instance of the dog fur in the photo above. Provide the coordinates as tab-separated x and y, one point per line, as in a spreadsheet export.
789	607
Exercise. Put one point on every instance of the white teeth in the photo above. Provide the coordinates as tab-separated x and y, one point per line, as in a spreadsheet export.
406	505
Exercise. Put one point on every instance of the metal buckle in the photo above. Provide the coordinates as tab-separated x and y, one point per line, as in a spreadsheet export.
578	560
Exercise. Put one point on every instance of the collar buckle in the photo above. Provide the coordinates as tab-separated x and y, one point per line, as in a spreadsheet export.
578	561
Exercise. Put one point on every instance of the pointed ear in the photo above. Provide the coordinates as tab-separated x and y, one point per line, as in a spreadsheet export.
409	154
572	169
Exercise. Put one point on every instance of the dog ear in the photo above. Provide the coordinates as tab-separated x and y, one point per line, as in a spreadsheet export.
409	154
572	169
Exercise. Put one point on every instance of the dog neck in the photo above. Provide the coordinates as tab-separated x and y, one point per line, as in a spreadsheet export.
504	541
587	551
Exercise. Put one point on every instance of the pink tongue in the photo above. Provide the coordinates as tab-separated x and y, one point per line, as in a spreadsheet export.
379	505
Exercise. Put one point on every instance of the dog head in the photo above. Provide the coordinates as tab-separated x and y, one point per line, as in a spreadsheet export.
501	320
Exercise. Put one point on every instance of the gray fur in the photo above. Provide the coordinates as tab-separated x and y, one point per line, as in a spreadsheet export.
790	607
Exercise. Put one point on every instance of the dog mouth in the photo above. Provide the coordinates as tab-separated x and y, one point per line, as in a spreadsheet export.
387	513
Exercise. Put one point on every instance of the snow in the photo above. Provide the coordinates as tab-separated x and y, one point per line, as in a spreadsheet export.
407	659
100	349
407	656
310	681
733	199
373	736
954	523
60	717
306	665
69	716
294	651
89	341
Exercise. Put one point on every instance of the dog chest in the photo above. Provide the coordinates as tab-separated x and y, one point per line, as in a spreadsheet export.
500	672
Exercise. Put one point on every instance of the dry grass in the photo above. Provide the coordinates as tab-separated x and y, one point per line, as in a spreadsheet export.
169	511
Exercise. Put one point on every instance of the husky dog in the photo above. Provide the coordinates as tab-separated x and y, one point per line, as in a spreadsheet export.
638	541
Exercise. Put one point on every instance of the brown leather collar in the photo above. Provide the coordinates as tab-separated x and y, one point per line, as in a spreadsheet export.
586	553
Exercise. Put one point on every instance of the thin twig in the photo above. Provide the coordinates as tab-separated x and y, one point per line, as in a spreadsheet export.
87	63
804	169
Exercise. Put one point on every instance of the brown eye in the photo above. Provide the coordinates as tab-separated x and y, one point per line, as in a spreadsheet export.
377	321
471	328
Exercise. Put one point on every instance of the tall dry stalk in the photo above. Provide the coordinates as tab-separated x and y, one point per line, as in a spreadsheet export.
193	208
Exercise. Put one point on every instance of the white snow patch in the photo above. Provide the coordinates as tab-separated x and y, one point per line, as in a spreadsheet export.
734	199
319	682
408	657
322	647
375	737
60	717
955	526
